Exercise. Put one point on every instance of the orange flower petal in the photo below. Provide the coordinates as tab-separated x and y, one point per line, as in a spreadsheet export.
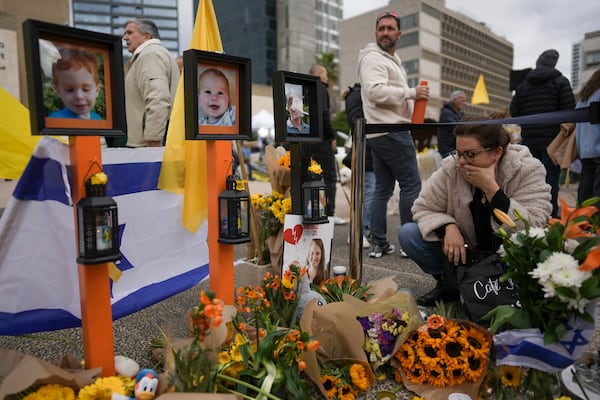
592	260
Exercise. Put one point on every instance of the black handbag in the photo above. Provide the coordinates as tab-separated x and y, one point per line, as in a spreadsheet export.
479	285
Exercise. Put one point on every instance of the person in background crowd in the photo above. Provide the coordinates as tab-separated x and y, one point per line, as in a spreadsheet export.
588	143
454	209
324	151
452	111
387	99
544	90
151	78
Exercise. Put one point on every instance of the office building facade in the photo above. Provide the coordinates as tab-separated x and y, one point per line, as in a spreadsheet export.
585	59
279	34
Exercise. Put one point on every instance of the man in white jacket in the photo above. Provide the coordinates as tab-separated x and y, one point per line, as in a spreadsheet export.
387	99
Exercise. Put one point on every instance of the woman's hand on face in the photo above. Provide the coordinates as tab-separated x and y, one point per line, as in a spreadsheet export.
483	178
454	245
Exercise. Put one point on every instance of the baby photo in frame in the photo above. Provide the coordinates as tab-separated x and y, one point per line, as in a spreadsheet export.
217	91
76	81
309	246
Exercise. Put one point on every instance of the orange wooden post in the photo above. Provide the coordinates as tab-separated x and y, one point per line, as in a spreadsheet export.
220	256
94	289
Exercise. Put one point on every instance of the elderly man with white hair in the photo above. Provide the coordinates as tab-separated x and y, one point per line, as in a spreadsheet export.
451	112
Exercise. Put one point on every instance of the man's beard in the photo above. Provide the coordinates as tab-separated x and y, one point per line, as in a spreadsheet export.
390	44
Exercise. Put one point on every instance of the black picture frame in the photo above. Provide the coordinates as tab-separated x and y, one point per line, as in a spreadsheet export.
237	71
288	84
47	43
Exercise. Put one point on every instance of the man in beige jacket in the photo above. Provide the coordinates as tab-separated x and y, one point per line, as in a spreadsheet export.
151	78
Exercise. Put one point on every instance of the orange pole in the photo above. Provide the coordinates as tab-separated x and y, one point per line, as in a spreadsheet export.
94	289
220	255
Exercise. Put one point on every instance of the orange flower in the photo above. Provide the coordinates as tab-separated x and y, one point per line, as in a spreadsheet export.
313	345
592	260
504	218
435	321
301	366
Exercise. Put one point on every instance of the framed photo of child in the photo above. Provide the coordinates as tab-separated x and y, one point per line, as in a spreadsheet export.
75	84
217	92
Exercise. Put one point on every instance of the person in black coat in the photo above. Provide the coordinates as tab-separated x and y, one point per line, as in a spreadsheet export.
545	89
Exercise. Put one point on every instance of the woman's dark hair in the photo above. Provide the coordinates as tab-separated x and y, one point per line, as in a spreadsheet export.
489	136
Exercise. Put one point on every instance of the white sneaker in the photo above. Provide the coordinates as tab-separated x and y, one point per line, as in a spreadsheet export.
340	221
365	242
403	253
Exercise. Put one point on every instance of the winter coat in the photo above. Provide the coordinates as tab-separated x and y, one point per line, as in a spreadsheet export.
446	195
150	84
544	90
445	134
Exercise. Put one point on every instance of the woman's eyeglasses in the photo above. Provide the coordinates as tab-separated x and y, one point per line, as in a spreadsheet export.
468	155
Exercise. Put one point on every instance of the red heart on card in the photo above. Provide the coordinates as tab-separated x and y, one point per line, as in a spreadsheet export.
293	236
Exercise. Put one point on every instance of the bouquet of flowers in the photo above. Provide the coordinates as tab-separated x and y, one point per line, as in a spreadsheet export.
333	289
556	269
443	354
271	210
345	379
381	331
265	356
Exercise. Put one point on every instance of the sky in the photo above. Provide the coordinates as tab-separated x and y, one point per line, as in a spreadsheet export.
531	25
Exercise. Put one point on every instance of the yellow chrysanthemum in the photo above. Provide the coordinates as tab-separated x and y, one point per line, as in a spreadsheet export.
52	392
315	167
102	389
99	178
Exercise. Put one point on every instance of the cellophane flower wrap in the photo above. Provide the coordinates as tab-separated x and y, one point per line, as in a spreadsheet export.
444	356
268	211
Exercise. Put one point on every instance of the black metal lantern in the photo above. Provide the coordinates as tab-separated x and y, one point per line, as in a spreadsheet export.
314	200
97	226
234	214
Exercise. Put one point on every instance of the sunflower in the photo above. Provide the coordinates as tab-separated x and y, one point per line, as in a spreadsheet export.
510	376
329	383
359	376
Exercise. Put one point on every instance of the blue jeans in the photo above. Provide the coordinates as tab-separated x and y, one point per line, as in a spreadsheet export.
394	159
552	172
429	256
368	198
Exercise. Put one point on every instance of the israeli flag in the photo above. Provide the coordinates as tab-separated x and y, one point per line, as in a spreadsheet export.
39	287
526	348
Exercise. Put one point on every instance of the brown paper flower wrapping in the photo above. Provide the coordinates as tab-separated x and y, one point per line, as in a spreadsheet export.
428	391
20	371
339	334
400	300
